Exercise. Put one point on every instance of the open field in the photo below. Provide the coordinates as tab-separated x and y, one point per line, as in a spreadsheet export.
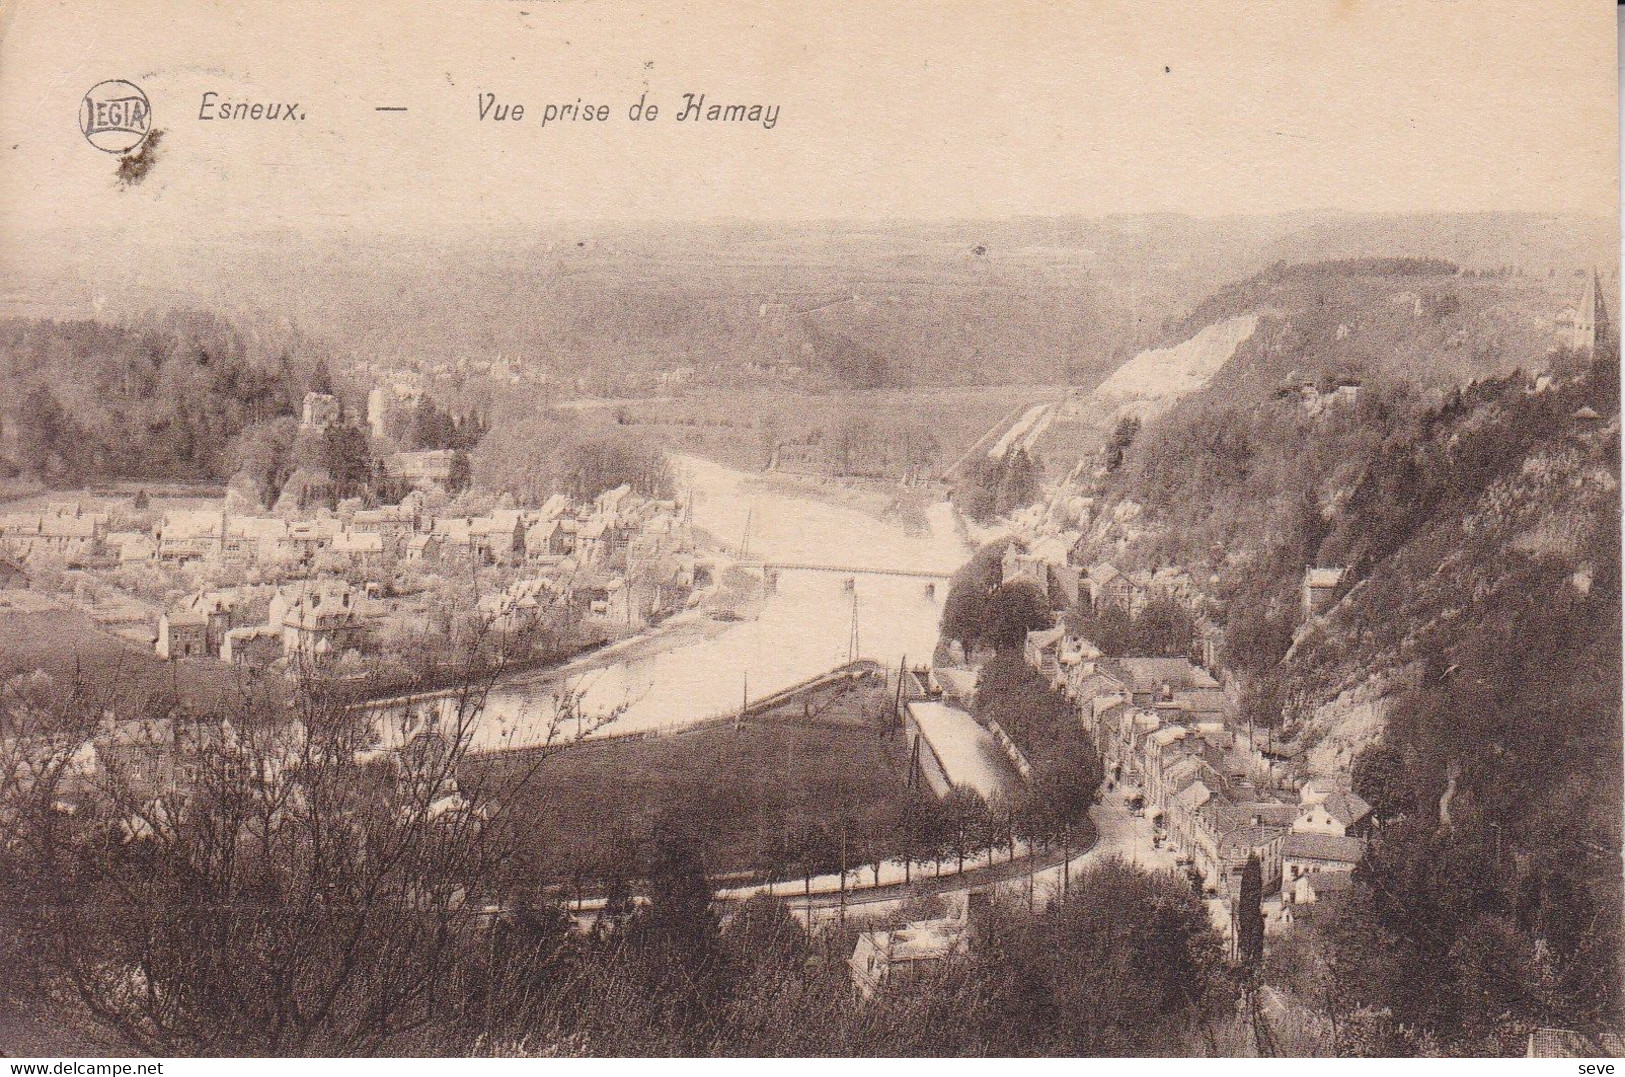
744	789
740	428
67	644
116	497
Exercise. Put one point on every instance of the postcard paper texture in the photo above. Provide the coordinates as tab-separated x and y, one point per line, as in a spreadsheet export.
577	528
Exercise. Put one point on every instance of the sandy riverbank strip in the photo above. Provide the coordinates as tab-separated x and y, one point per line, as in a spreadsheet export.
888	503
679	630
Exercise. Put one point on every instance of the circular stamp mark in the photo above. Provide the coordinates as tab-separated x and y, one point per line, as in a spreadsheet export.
115	116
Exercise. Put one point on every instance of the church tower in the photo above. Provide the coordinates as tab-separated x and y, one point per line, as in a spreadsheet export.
1588	323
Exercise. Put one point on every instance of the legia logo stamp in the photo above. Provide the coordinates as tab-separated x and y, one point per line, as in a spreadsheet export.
115	116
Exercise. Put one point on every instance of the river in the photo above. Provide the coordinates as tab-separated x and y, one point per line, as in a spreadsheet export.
800	630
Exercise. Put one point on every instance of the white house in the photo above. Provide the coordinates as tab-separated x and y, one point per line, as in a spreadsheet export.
902	955
1337	813
1306	854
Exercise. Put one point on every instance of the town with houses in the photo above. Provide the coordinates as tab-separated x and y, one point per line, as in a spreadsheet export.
1132	571
1202	791
266	589
1200	786
319	584
320	580
1217	791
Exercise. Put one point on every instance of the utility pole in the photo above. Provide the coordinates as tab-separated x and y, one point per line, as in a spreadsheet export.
1066	861
631	570
897	703
842	916
852	638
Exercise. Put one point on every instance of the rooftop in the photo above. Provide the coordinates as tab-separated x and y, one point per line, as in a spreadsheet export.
1328	847
1147	674
1046	637
1323	577
922	940
1329	882
1346	808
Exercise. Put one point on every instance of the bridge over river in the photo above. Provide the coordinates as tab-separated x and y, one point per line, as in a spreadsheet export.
694	668
845	570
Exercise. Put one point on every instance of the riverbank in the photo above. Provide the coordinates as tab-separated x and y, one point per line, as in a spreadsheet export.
682	629
694	667
889	503
679	630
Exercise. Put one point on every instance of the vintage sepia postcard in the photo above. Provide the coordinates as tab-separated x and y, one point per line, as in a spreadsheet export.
863	528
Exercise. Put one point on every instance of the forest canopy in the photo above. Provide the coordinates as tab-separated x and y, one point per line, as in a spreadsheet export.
156	398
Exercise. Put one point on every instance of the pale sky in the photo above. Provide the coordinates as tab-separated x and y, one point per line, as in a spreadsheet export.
886	109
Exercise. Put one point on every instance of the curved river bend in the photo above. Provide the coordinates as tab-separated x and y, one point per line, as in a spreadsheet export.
802	630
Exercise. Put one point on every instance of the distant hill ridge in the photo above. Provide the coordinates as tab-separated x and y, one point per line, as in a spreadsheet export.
1025	300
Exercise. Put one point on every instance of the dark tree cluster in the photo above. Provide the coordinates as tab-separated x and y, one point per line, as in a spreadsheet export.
429	426
1128	427
161	399
982	611
1044	724
1126	965
991	488
1497	789
552	453
1495	785
1380	267
1162	627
